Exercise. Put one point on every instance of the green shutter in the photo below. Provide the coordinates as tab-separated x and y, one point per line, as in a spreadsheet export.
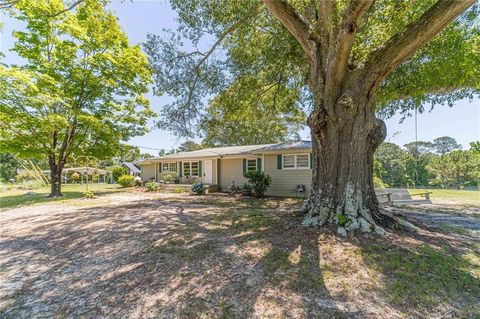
311	161
180	171
259	164
200	168
244	166
279	161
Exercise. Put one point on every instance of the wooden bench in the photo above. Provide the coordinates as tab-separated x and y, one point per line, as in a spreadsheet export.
400	196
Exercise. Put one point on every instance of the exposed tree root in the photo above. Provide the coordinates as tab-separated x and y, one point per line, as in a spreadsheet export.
362	220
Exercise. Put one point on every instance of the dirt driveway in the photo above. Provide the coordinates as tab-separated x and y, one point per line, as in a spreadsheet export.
138	255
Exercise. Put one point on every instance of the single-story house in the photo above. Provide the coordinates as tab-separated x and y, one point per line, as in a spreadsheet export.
288	164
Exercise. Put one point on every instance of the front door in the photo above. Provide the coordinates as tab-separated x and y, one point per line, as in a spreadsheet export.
208	172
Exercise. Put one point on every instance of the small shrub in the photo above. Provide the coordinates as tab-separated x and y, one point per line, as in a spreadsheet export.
247	188
169	178
152	187
178	190
198	188
126	180
233	189
260	182
118	171
89	195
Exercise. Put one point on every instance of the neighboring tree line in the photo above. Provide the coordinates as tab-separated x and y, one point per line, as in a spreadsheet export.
440	163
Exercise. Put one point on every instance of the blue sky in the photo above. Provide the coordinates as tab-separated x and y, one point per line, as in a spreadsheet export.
138	18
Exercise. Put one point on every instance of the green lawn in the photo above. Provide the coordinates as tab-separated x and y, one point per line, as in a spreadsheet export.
14	198
460	196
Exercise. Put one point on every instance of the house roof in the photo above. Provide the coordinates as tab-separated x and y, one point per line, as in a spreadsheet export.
286	146
233	150
132	167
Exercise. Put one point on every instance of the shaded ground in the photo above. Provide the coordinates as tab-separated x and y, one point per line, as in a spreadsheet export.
140	255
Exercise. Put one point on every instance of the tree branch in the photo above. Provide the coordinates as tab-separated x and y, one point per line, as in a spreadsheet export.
297	25
345	38
220	39
402	45
70	7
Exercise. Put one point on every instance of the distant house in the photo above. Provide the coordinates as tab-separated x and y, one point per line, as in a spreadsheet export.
133	169
289	165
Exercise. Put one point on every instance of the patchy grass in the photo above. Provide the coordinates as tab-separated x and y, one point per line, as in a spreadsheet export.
463	197
454	229
251	221
425	276
15	198
181	256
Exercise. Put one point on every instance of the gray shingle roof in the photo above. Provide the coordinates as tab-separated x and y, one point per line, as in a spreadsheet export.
213	152
234	150
287	146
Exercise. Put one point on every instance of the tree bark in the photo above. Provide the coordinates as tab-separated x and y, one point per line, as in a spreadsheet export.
345	134
55	178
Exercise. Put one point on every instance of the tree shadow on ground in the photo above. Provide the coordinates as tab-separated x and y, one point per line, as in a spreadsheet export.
179	258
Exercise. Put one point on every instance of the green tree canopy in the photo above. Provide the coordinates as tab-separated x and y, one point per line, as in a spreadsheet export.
81	90
446	144
252	43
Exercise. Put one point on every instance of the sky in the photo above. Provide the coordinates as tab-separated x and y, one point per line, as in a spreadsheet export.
140	17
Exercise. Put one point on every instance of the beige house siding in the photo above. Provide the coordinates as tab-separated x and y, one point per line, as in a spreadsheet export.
226	170
231	170
148	171
284	181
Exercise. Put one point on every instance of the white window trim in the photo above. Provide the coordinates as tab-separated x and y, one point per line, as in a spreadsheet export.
190	168
256	164
295	167
168	167
294	162
308	161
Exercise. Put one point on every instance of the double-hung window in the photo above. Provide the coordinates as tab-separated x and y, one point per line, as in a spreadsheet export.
251	165
296	161
190	169
288	161
168	167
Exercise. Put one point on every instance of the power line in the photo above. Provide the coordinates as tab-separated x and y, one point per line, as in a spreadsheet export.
144	147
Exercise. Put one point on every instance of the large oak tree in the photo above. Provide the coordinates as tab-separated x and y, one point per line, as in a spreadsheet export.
354	59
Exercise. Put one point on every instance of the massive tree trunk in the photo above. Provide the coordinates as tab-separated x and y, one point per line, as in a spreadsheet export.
345	134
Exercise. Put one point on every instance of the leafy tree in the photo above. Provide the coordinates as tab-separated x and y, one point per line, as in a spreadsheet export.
145	155
118	171
419	155
189	146
475	147
457	168
394	163
81	89
419	148
128	153
353	58
446	144
259	114
8	167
